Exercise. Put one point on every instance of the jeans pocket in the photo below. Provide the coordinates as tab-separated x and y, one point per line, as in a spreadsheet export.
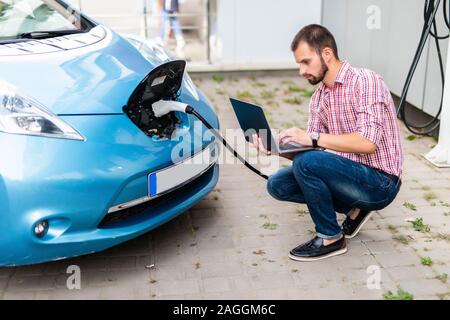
384	180
391	192
380	196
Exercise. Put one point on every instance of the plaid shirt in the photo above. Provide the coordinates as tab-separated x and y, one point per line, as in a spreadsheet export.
360	101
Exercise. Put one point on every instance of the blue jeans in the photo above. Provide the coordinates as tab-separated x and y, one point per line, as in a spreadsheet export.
329	183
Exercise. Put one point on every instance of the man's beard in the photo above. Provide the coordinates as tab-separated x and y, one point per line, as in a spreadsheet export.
323	70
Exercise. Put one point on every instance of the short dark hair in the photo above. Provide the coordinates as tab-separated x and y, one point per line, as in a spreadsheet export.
317	37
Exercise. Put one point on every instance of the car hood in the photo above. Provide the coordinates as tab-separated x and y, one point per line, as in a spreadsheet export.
94	78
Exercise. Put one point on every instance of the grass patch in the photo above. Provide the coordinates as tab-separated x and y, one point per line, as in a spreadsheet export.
218	78
444	204
426	261
294	100
430	196
410	206
293	88
244	95
259	252
270	226
442	236
255	101
443	296
267	224
435	137
442	277
400	295
308	93
392	228
418	225
266	94
220	92
273	104
411	137
402	239
288	82
288	124
302	212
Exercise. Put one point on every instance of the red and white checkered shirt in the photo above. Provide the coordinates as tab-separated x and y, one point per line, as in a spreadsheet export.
360	101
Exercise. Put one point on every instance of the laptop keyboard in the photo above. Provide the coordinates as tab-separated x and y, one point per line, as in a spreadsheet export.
290	145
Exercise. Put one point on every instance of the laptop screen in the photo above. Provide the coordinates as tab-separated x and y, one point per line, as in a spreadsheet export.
252	120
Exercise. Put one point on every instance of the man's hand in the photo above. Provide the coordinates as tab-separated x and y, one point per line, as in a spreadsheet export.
257	143
295	135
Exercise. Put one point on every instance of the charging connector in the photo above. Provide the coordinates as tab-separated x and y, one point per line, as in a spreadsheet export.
162	107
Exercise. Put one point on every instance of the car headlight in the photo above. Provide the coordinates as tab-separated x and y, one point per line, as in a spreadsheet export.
22	115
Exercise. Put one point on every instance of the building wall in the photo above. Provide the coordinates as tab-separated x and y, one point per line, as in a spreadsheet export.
259	32
390	49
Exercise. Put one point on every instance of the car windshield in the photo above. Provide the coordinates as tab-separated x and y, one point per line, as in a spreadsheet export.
24	18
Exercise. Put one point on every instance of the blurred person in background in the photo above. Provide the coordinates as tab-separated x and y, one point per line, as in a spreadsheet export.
169	9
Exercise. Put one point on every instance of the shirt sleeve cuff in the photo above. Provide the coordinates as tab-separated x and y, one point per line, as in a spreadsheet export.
371	133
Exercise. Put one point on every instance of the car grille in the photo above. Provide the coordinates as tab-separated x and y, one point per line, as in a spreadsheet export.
151	208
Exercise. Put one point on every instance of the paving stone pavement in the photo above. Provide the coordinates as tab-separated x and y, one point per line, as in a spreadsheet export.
234	243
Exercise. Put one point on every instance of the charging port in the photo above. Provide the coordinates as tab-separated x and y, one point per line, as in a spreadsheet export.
163	82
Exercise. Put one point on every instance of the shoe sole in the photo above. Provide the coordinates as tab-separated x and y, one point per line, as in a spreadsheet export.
329	255
355	233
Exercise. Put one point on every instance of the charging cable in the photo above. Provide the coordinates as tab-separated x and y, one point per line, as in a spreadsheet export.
430	11
162	107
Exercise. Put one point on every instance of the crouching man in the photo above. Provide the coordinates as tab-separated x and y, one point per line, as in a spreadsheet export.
353	117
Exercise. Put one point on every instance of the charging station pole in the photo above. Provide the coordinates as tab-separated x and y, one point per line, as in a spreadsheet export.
440	154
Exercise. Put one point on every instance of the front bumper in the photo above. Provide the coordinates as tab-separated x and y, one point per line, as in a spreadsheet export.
74	186
114	229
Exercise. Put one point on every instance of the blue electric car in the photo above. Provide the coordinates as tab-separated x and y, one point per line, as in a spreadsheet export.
84	162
